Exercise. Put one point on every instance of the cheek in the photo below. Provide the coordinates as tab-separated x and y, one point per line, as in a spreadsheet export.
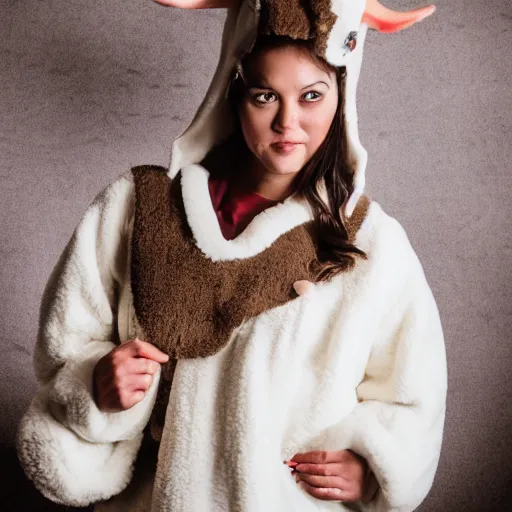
255	125
317	125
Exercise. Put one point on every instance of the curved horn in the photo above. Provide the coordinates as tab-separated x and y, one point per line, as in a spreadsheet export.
198	4
383	19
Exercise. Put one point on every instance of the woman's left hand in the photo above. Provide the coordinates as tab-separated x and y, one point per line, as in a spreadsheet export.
335	475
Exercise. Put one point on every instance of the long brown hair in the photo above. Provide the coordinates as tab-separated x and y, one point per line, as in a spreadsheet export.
328	168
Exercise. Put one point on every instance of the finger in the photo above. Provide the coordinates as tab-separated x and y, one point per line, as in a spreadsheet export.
324	493
144	349
115	402
331	469
130	399
319	457
140	382
141	365
323	481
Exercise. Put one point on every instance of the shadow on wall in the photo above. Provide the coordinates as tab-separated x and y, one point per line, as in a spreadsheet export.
17	493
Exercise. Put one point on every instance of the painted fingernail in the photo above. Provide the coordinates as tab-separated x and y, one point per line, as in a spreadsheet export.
292	463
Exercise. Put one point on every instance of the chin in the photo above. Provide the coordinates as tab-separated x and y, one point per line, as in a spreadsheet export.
288	171
284	166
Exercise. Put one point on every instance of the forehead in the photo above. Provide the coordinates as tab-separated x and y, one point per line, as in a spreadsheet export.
285	64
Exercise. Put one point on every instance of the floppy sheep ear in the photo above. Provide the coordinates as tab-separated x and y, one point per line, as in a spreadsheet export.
199	4
381	18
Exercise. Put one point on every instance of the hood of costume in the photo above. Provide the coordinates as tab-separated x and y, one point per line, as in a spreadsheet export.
338	30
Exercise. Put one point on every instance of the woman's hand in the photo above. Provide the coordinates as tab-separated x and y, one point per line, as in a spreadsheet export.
122	377
335	475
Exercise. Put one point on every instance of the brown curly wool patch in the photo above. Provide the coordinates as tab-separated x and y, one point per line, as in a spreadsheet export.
323	21
299	19
189	305
286	18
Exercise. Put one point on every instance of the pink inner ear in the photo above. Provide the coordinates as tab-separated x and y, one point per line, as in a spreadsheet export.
386	20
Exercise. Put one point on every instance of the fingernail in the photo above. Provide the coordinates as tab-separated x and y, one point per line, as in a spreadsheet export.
292	463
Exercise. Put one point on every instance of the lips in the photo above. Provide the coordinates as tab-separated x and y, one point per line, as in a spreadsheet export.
285	142
285	146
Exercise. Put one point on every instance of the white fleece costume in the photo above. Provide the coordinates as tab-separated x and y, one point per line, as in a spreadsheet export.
357	362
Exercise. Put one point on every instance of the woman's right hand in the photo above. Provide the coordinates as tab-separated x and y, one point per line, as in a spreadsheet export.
122	377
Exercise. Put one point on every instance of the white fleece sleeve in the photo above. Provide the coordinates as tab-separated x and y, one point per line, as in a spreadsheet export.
74	453
397	425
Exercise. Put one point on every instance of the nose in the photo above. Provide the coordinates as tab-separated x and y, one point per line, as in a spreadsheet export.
287	117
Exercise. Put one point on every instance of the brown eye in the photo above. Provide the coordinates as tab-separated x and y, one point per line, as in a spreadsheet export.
265	97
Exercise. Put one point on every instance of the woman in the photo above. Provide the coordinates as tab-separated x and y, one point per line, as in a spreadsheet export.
240	308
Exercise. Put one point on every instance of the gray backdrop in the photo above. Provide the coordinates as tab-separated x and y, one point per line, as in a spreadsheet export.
89	89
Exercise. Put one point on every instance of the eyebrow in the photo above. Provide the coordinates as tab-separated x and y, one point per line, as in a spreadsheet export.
319	82
263	85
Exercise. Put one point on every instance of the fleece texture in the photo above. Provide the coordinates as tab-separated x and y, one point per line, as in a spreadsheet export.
165	257
189	305
73	452
358	362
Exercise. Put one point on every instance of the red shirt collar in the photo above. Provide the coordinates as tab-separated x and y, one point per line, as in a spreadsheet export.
235	210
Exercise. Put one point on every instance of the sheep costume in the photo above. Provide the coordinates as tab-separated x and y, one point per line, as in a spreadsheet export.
265	362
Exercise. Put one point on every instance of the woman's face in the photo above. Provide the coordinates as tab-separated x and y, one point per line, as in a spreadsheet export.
287	109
